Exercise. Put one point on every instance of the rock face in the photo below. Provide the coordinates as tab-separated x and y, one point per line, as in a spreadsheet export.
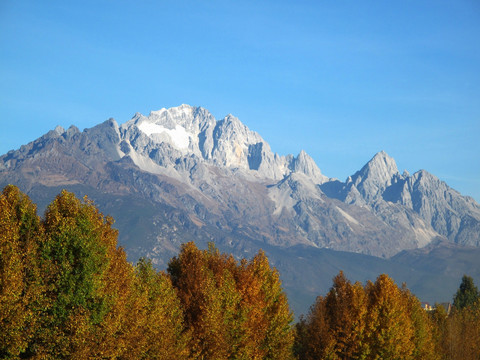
170	136
183	175
416	198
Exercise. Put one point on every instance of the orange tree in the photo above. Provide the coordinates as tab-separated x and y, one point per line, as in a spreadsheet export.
377	321
335	328
232	310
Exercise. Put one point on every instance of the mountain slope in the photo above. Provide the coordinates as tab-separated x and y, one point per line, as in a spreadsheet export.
179	175
419	197
226	177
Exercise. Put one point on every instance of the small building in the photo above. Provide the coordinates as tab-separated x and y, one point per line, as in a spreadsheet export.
427	307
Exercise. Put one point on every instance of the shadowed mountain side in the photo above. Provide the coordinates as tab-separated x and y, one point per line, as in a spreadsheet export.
433	275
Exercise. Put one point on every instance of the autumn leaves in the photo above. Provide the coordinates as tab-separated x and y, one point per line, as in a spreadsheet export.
382	321
376	321
233	310
68	292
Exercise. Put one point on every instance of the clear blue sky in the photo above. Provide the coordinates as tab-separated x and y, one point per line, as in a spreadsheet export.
340	79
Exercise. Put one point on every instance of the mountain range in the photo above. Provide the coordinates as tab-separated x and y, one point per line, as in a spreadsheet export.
179	175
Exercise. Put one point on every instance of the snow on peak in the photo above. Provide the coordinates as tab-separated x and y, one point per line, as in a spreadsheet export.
170	134
179	136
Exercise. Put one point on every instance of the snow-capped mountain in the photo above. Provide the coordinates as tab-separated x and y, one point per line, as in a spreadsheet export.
179	174
221	172
186	132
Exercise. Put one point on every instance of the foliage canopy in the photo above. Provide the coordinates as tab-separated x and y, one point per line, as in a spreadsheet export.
68	292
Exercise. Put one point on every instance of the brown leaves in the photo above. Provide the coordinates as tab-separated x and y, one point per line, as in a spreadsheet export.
234	310
67	291
376	321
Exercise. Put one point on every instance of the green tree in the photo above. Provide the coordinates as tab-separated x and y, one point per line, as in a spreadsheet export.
467	294
89	282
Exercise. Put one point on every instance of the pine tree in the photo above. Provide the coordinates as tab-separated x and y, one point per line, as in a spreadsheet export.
467	294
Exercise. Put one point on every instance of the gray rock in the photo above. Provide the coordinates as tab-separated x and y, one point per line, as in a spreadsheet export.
193	177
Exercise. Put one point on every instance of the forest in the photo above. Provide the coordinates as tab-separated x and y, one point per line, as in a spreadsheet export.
67	291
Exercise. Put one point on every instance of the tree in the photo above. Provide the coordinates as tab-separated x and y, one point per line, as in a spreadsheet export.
20	287
441	339
161	319
232	310
390	329
423	336
346	310
67	290
335	327
375	321
279	337
467	294
314	338
89	282
208	297
457	335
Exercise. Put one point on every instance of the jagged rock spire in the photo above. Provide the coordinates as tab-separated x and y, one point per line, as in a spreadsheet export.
368	184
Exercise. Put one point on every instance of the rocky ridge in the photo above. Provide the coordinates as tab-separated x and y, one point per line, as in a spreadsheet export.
421	196
223	182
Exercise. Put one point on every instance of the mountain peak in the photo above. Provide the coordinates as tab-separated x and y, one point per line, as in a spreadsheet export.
373	178
59	130
382	158
305	164
181	111
381	167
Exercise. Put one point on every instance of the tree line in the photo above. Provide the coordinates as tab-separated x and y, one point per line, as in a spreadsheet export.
383	321
67	291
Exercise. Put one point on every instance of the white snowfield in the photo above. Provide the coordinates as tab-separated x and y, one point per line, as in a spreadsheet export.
195	134
179	136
